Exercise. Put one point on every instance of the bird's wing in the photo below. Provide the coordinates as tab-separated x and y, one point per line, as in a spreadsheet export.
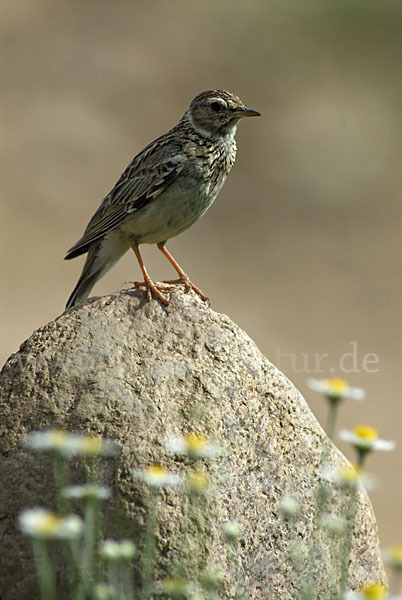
147	176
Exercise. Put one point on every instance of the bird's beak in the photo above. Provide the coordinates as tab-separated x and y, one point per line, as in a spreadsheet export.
248	112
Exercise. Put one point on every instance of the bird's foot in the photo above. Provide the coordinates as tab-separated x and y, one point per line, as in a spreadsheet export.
153	288
189	285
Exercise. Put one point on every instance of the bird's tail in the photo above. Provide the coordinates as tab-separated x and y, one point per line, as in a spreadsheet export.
102	255
82	290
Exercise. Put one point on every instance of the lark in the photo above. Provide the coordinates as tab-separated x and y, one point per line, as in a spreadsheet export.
165	189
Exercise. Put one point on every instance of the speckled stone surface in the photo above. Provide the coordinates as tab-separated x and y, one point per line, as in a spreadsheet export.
139	372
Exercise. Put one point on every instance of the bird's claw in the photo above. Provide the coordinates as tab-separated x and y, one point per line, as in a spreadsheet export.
152	288
189	286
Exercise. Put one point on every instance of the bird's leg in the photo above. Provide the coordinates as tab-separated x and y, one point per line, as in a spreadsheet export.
148	283
183	277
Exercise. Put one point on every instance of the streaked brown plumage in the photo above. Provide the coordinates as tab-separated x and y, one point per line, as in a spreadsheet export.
163	191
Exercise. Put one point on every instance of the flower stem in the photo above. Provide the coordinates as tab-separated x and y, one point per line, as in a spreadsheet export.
119	579
331	418
90	512
361	456
44	570
148	552
61	480
61	476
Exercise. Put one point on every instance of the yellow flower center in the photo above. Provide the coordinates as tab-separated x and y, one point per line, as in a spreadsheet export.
336	385
349	473
198	481
49	523
156	471
374	591
366	432
395	553
195	442
58	437
92	444
175	586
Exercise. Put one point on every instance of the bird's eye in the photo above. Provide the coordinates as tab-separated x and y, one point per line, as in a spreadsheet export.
216	106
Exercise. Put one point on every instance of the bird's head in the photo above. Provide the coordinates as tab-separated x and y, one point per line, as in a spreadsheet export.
217	112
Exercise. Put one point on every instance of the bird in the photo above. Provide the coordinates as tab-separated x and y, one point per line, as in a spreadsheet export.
164	190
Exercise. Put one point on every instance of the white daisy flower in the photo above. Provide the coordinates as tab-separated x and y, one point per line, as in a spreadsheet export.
369	591
365	438
335	525
289	507
115	551
336	389
349	477
198	481
194	445
374	591
70	444
178	587
157	476
232	531
43	524
86	491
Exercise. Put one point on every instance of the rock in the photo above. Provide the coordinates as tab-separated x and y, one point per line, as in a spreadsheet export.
140	372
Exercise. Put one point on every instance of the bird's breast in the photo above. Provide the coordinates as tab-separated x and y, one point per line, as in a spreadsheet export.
185	200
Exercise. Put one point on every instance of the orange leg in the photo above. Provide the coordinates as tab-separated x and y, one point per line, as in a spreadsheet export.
183	278
148	283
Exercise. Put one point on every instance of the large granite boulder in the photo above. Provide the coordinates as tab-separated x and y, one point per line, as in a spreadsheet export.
140	372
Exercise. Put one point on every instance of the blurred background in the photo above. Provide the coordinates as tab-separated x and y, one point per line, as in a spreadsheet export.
303	246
